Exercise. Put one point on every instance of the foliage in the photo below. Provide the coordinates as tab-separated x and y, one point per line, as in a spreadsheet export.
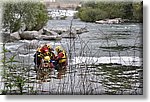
33	15
138	11
13	74
92	11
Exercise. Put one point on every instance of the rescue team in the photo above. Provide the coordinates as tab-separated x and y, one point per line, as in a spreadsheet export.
46	52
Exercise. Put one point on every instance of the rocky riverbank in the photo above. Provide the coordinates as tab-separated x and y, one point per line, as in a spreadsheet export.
112	21
44	34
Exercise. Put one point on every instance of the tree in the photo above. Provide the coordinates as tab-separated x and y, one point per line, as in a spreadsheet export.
33	15
128	10
138	11
92	11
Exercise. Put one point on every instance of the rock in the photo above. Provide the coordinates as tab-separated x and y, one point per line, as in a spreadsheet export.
53	37
45	31
101	21
49	35
57	33
48	32
29	35
113	21
15	36
59	30
7	37
40	31
53	33
67	35
81	30
74	32
110	21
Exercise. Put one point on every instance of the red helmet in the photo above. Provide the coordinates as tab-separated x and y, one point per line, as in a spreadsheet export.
44	49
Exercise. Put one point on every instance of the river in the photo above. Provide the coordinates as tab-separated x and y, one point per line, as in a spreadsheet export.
105	60
126	38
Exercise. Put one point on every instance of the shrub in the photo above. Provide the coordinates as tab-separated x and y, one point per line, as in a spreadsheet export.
93	11
31	14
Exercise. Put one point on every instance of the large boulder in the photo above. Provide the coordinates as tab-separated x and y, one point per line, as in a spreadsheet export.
15	36
49	32
10	37
40	31
29	35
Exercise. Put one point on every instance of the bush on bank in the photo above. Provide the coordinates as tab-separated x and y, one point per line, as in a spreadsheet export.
27	15
93	11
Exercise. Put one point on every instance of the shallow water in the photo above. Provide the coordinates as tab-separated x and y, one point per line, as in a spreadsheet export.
105	60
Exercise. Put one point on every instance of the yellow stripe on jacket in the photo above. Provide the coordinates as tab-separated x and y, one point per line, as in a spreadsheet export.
64	58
